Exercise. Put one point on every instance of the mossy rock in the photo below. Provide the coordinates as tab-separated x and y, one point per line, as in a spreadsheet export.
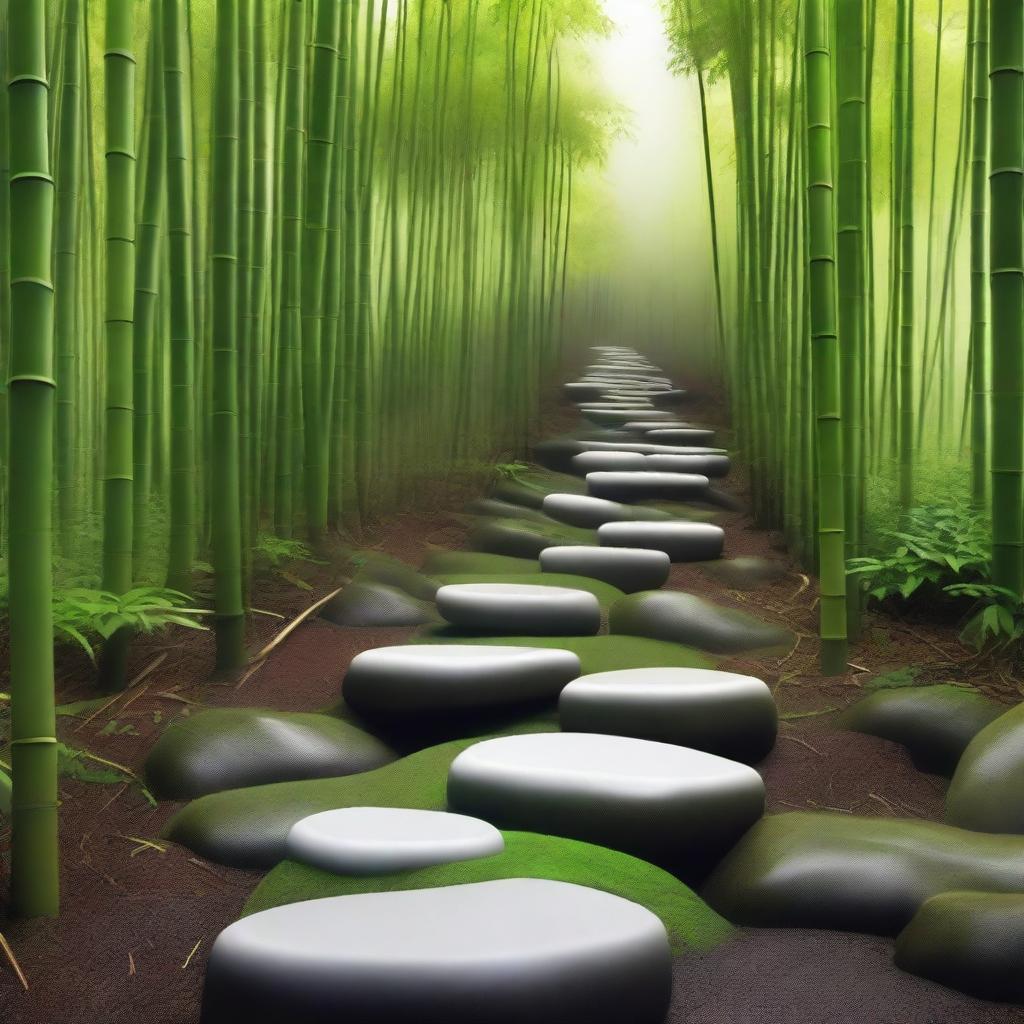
596	653
520	538
987	791
690	922
934	723
365	602
495	508
392	572
604	592
247	828
225	748
971	941
477	563
691	620
847	873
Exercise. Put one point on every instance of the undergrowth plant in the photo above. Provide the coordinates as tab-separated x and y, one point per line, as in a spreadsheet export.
996	621
939	545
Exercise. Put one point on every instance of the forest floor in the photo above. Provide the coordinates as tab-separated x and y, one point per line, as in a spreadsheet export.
140	914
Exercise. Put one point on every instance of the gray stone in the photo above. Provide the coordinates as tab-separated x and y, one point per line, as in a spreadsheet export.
439	678
583	390
381	840
694	622
600	462
673	806
629	569
646	486
680	435
712	466
617	417
377	604
520	608
682	541
503	952
228	748
718	712
510	537
644	448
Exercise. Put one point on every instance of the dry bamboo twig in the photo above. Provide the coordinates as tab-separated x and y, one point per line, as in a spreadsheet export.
293	625
188	959
154	664
13	960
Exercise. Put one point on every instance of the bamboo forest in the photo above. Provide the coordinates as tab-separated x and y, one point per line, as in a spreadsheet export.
512	511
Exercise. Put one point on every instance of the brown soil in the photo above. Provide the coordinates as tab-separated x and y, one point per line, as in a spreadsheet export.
138	920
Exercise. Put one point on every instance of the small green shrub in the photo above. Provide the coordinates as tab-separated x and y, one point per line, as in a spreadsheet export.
937	545
276	550
996	622
512	470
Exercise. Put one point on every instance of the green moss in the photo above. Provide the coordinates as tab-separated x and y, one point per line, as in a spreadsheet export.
248	827
604	592
462	563
596	653
690	922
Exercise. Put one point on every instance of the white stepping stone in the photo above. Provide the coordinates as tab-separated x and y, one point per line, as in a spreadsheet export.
719	712
681	541
670	805
591	462
646	448
584	511
520	608
647	486
501	952
382	840
423	678
629	569
709	465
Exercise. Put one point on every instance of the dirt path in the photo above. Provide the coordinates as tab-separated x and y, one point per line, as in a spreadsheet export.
138	920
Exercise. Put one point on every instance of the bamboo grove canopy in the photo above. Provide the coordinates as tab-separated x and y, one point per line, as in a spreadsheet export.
268	266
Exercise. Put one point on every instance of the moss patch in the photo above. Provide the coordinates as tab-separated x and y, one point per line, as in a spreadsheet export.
604	592
247	828
596	653
690	922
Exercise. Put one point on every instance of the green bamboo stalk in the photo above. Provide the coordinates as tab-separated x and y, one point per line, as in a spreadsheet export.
226	524
907	445
979	256
177	97
1006	277
119	307
826	354
35	879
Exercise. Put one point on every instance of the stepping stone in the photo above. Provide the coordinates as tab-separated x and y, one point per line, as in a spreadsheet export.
987	791
645	448
598	462
680	435
706	465
642	426
503	952
615	404
557	455
629	569
746	572
378	605
934	723
589	513
583	390
518	608
439	678
519	494
498	509
615	417
690	620
682	541
970	941
227	748
645	486
849	873
672	806
718	712
380	840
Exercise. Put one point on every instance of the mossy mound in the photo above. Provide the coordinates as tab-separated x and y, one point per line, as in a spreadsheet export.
393	572
596	653
690	922
934	723
808	870
987	792
225	748
604	592
688	619
521	538
477	563
366	602
247	828
972	941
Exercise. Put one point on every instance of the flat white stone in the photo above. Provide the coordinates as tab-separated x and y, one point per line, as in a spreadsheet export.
591	462
647	486
439	677
381	840
681	541
519	607
503	952
629	569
